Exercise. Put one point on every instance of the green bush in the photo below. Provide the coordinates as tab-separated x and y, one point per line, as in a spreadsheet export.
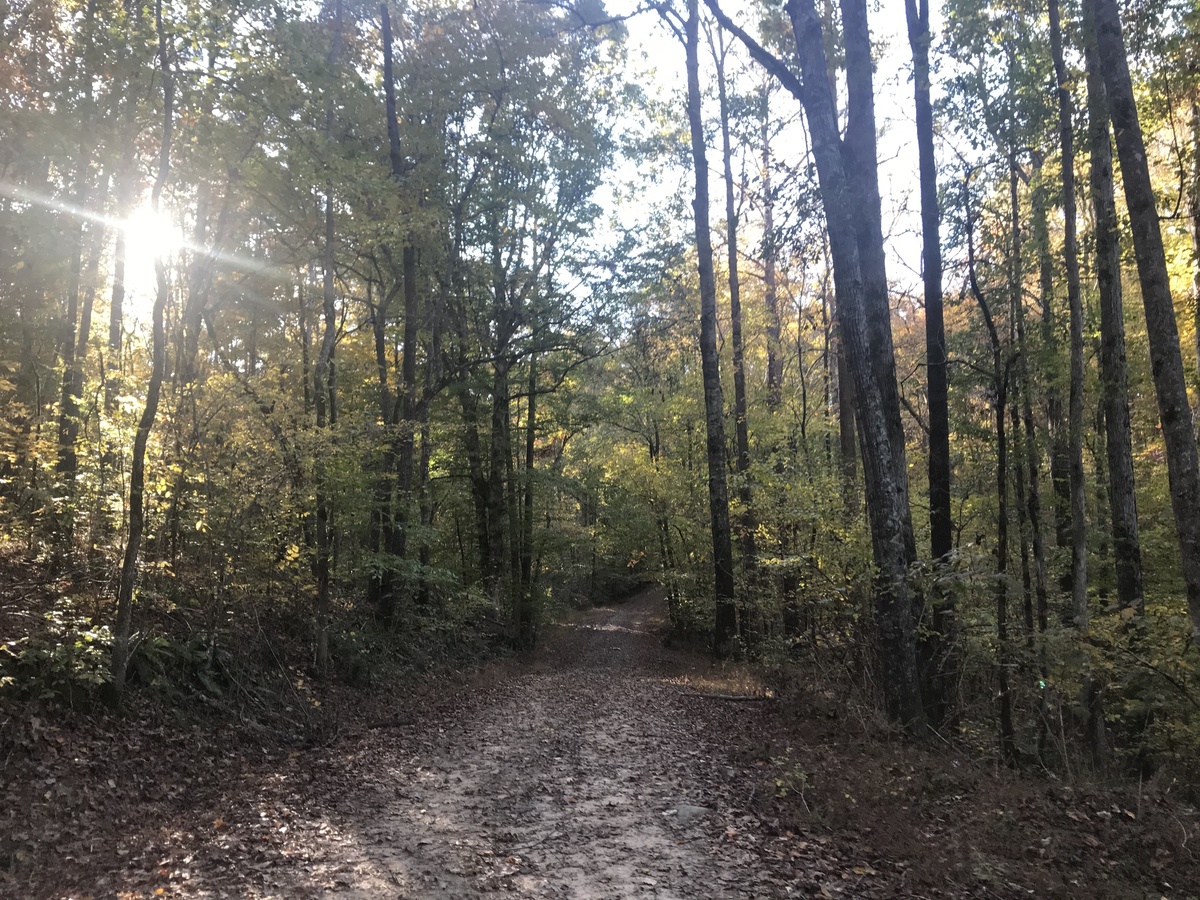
68	660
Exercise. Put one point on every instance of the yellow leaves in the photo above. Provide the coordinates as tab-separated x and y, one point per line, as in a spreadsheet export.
290	556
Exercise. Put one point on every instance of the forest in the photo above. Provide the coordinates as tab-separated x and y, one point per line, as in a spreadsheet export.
344	344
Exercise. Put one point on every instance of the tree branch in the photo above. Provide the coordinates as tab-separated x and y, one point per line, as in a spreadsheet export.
761	54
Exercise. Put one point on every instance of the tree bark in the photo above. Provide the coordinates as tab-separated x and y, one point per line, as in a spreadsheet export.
770	276
123	628
1114	378
746	525
1193	208
725	622
526	622
1166	360
849	194
1000	373
324	390
937	659
1078	487
1057	430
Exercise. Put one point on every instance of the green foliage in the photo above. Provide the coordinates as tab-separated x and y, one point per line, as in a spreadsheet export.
67	659
790	777
181	664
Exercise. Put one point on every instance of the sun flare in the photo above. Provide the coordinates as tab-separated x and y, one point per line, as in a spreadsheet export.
150	234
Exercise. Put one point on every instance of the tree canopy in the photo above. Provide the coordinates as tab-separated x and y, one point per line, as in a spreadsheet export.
328	331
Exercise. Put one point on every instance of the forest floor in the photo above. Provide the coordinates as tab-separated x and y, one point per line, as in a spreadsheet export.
607	766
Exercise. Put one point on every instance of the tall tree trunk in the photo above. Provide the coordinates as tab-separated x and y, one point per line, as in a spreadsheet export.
1057	430
1078	487
1166	359
499	463
936	650
1094	735
324	390
1031	452
1019	470
526	624
865	314
770	276
848	176
1008	743
1114	379
125	188
79	287
846	405
479	482
725	624
1193	208
123	627
746	525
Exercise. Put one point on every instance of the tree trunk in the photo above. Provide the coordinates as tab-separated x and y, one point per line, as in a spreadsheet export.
1060	467
1114	379
936	653
526	624
1193	208
324	390
1078	487
770	277
499	462
1008	743
123	628
746	525
725	623
849	195
1166	359
1094	735
479	482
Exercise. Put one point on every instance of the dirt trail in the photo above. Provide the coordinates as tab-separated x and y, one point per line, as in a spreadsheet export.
595	775
606	767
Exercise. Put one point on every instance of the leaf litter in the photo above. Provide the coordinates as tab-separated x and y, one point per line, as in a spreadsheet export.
608	766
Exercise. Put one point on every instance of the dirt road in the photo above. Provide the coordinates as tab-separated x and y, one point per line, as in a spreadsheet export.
598	774
606	767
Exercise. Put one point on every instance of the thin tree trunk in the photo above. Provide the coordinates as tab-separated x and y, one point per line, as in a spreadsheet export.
1078	487
1193	208
1019	470
1008	744
70	415
1034	495
324	390
770	277
123	628
1166	360
499	462
525	615
746	525
725	624
479	482
1060	468
1094	735
936	652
